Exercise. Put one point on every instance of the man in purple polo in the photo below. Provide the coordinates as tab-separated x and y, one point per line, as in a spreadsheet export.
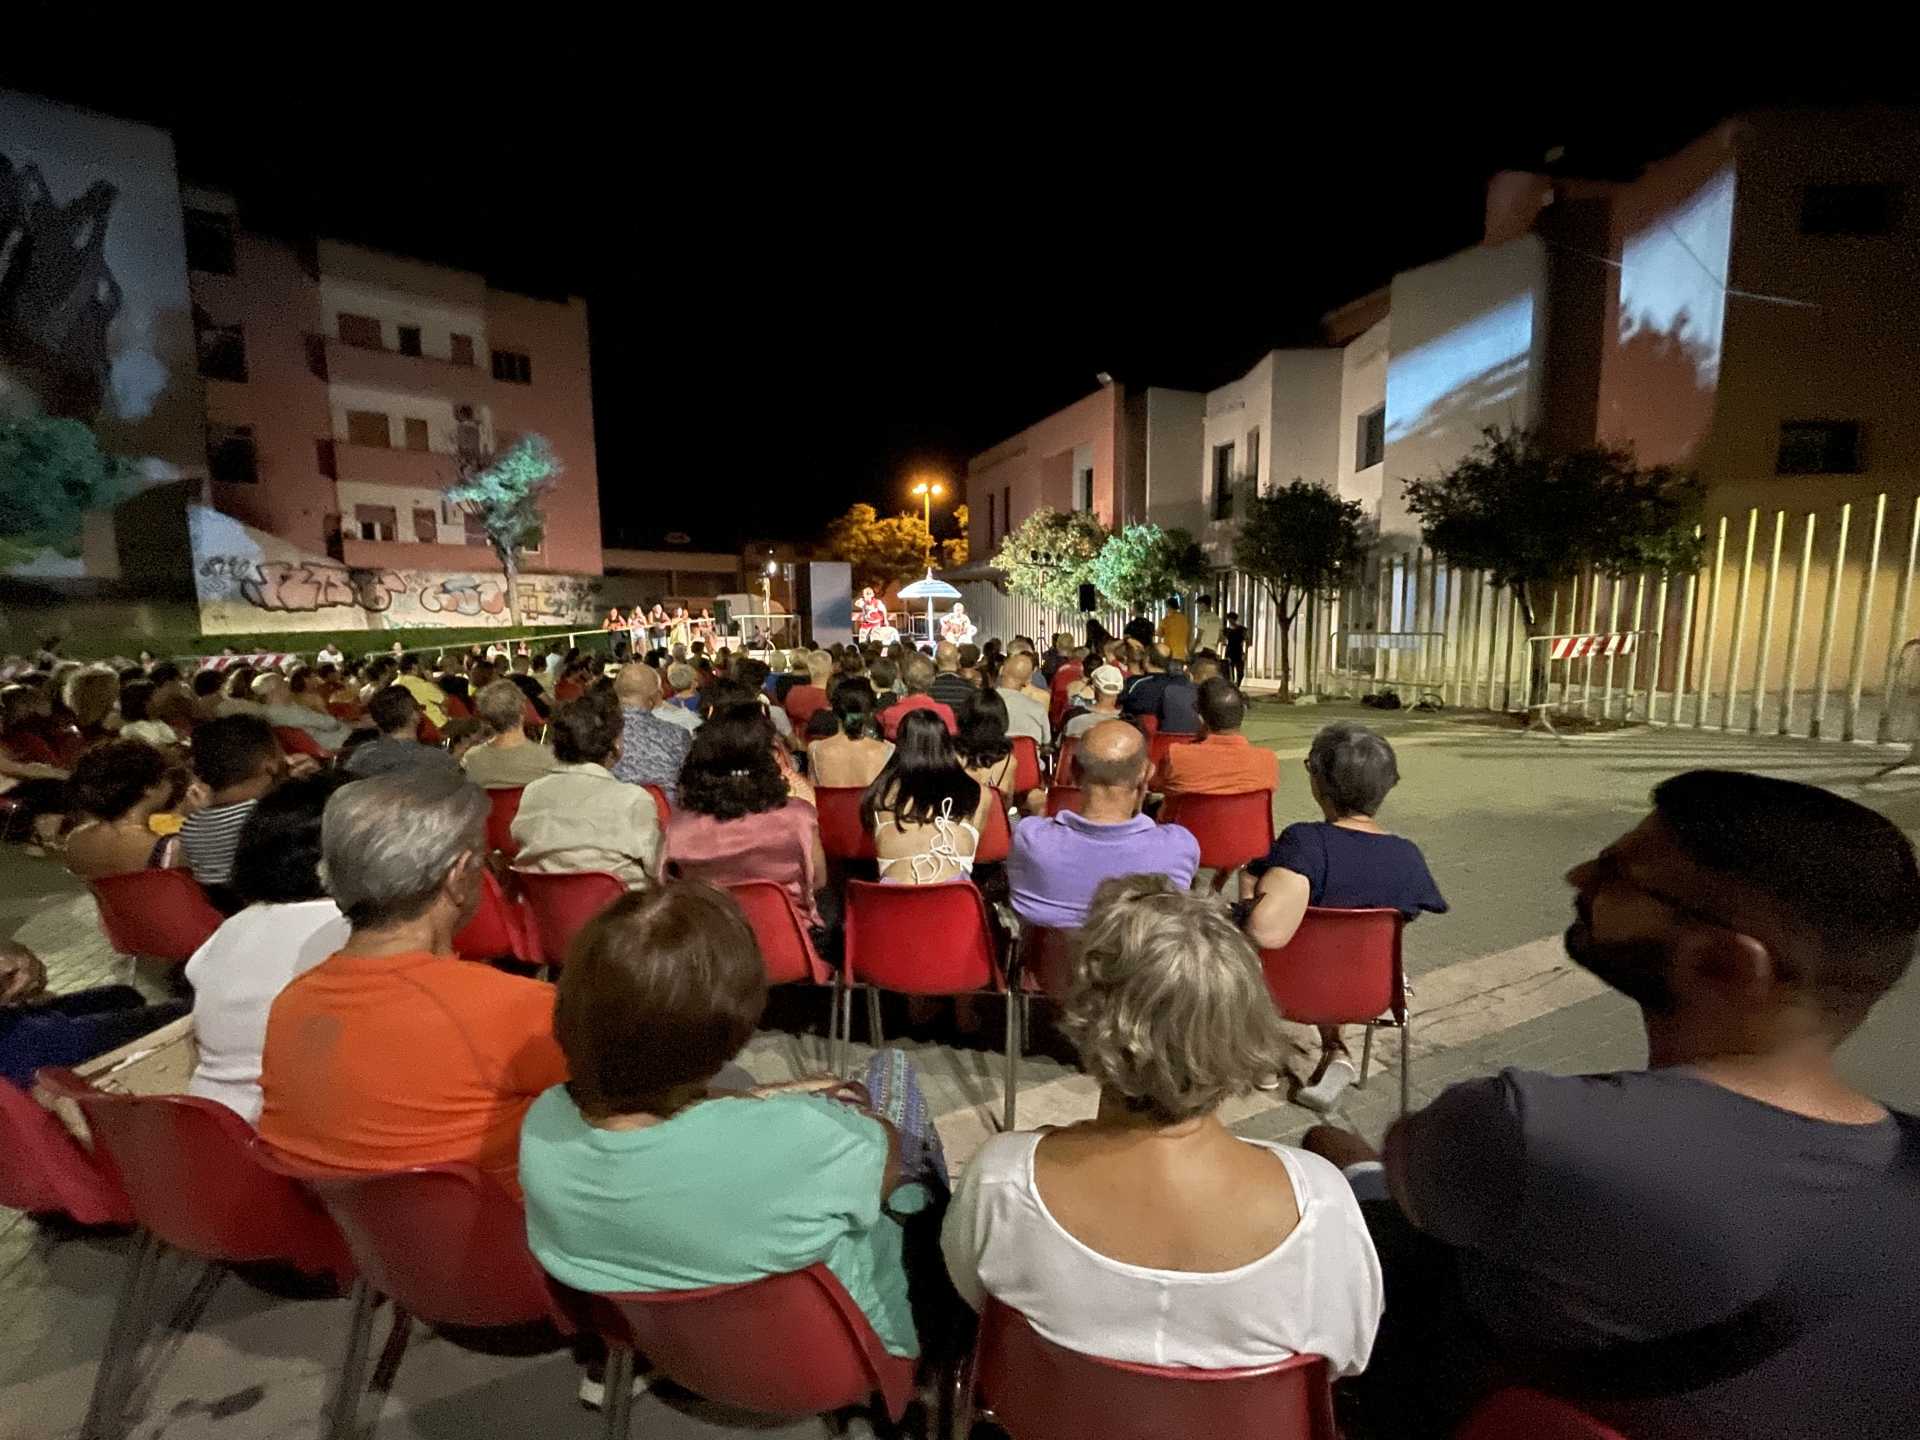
1057	863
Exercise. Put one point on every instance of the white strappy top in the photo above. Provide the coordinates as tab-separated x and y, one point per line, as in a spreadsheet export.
942	859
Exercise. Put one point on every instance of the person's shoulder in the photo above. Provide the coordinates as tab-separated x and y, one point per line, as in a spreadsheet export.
1005	1159
1178	839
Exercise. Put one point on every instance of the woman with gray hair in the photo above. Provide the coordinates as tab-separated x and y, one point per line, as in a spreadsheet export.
1152	1234
1346	861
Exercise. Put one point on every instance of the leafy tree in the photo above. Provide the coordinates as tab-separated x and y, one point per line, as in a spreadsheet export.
52	471
1533	518
1050	555
882	551
504	489
1299	542
1144	563
954	550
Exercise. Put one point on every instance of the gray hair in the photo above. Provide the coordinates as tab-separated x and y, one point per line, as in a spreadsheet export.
1354	767
501	704
1167	1005
387	844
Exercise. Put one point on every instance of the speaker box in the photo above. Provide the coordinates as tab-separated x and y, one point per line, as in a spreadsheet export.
1089	599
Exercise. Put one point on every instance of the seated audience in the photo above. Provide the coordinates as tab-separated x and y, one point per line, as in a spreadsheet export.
684	681
1715	1247
885	675
396	715
652	748
137	720
90	694
431	698
1143	692
115	790
917	676
738	819
1065	678
1058	862
1347	861
38	1029
924	811
289	926
854	753
26	724
949	686
506	758
983	744
1026	705
1107	681
579	816
1222	761
1179	712
395	1051
236	760
271	698
1152	1234
808	695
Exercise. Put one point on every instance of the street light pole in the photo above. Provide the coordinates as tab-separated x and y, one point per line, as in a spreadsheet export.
926	490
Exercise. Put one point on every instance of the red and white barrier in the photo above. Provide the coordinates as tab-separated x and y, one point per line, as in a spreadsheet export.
1579	647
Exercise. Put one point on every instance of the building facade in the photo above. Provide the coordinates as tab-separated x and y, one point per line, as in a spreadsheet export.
1074	459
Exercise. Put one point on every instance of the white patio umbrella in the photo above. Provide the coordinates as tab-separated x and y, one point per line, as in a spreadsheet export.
929	590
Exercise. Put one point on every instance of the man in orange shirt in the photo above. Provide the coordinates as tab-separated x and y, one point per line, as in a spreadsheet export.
396	1052
1222	761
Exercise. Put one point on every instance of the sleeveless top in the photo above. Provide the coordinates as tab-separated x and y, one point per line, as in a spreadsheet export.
941	855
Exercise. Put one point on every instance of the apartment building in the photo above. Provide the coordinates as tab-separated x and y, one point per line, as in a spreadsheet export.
1074	459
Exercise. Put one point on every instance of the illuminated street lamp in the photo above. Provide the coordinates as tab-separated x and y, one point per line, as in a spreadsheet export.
927	490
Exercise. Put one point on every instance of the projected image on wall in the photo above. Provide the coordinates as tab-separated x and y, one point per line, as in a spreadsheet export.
1467	376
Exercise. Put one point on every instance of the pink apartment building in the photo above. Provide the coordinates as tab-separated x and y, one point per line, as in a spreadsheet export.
1074	459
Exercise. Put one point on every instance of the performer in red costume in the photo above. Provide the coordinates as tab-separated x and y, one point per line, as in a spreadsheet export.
869	615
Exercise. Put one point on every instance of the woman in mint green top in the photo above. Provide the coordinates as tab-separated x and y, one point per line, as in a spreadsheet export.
636	1178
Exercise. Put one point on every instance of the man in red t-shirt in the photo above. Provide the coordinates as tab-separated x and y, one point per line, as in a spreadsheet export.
917	675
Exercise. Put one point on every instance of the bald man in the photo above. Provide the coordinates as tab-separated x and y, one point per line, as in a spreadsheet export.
1026	706
652	748
950	687
1057	863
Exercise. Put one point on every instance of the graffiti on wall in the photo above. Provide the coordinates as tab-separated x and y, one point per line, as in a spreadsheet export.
229	585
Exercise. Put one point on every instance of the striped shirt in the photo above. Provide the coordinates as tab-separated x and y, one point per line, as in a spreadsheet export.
209	838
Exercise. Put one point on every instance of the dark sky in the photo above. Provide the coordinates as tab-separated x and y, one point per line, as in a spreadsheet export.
809	277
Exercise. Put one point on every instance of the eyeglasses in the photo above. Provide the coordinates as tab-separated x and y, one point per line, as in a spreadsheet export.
1608	870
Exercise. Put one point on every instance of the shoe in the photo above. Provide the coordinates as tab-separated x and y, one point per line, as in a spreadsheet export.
1325	1093
593	1390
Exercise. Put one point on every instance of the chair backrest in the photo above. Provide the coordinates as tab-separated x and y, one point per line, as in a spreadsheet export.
503	804
194	1173
344	709
1149	725
1342	967
1064	679
1046	960
560	905
1231	829
1042	1391
1026	764
45	1171
786	1345
159	914
1519	1414
1161	741
785	946
996	836
1065	797
1063	773
498	929
920	939
842	835
445	1243
663	807
295	741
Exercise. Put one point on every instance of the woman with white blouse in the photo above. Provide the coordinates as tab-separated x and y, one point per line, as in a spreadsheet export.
1152	1234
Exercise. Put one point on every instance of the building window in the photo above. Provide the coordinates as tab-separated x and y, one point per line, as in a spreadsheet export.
513	367
223	349
1223	482
1083	489
409	339
476	529
1370	439
1849	209
368	427
1253	459
231	459
209	242
460	349
416	434
375	522
361	330
424	529
1819	447
990	503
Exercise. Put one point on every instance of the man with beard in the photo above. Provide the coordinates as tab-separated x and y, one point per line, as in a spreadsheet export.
1720	1244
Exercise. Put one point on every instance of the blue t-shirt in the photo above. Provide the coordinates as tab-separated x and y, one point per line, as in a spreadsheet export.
1353	870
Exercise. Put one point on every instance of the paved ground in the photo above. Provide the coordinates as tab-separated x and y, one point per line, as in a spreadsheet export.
1500	816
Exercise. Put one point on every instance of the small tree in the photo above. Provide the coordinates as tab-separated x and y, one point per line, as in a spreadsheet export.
1050	555
1299	542
955	550
504	489
882	551
1143	563
52	472
1534	518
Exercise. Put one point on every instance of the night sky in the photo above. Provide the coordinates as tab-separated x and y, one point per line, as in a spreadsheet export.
808	280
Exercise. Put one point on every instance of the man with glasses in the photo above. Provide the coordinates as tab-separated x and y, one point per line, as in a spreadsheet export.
1721	1244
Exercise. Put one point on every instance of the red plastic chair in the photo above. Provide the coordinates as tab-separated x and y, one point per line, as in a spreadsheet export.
1027	774
1159	742
1064	679
786	947
1231	829
661	804
193	1172
560	905
1344	967
1149	725
1063	773
45	1171
1065	797
156	914
1046	960
1520	1414
1037	1390
504	804
996	836
842	835
788	1345
295	741
344	709
498	929
924	940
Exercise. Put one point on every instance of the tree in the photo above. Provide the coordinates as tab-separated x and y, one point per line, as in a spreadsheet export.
882	551
1533	518
1050	555
1299	542
504	489
954	550
53	471
1143	563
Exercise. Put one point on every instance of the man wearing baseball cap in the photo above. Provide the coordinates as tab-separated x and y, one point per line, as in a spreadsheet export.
1107	681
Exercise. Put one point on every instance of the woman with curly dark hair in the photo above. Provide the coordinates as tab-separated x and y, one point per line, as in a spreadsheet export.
116	789
737	820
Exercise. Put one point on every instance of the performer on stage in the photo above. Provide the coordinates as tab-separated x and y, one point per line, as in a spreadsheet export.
869	615
680	632
615	620
657	625
704	629
955	625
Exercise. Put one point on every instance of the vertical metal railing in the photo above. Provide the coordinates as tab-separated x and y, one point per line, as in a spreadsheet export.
1857	659
1766	624
1897	627
1836	576
1711	634
1797	623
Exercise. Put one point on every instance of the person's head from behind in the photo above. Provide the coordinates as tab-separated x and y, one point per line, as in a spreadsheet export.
917	674
1748	914
682	677
1107	681
1016	671
239	684
946	657
637	686
90	694
750	672
983	730
660	990
501	705
1202	670
587	730
136	700
236	753
1350	770
969	656
730	770
1166	1003
406	849
1223	709
278	862
884	674
270	687
1159	657
819	668
113	779
853	704
1111	761
923	779
207	683
394	712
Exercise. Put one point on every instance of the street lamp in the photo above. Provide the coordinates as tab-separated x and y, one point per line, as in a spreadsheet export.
927	490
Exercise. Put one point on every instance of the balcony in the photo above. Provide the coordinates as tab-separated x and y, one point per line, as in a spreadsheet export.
339	363
378	465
